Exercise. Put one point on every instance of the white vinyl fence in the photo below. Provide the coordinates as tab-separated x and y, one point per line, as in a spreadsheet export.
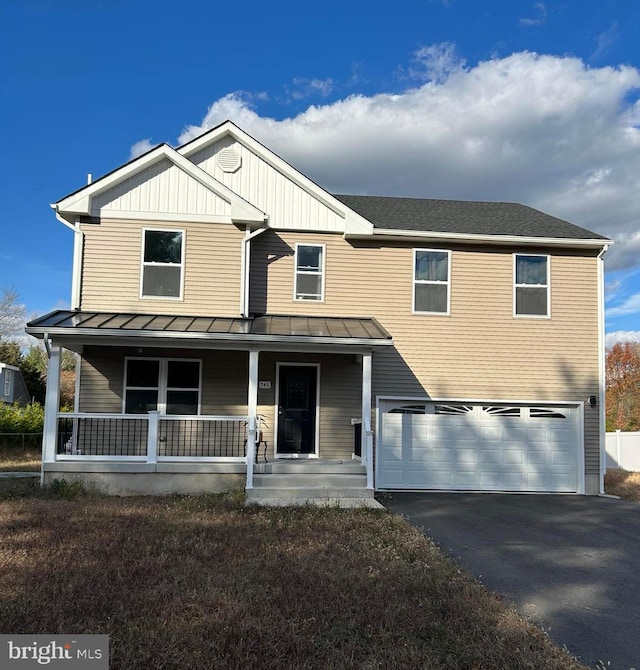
623	450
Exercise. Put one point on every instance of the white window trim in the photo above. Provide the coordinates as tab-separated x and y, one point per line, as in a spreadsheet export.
8	374
429	281
162	387
547	286
143	264
322	272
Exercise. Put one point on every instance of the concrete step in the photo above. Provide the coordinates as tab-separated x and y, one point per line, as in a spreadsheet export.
305	466
341	502
308	479
304	492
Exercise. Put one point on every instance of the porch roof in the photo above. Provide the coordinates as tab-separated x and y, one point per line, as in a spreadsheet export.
269	328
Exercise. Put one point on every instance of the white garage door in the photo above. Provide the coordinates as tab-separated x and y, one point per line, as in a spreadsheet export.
480	447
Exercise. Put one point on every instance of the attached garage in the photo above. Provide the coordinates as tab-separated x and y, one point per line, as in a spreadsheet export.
479	446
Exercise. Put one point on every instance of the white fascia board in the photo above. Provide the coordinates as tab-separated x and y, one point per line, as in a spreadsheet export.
417	235
353	221
80	202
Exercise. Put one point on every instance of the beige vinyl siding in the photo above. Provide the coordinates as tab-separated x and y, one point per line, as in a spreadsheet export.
224	388
481	350
112	260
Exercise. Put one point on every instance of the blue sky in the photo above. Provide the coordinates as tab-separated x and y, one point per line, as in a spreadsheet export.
494	100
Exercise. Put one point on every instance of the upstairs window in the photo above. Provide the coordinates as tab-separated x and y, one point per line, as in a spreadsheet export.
162	264
170	386
431	281
531	285
309	283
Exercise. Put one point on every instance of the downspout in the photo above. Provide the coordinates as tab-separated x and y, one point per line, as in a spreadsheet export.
246	268
78	244
601	369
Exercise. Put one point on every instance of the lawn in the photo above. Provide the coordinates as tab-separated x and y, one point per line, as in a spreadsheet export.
201	582
623	483
18	458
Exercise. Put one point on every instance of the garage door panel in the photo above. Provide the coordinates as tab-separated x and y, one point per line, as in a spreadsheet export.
513	456
491	456
479	447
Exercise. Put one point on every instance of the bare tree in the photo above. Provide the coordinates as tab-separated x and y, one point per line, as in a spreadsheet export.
13	315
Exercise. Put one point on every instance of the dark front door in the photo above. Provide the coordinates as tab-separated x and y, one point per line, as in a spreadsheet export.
297	409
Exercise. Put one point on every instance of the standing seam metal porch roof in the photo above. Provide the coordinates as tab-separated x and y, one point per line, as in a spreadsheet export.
257	328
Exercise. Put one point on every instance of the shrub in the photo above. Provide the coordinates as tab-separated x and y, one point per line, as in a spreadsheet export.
16	419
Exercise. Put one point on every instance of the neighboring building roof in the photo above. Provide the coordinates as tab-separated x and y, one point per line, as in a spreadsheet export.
463	217
267	327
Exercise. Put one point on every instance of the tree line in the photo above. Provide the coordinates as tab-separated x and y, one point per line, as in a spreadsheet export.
623	386
32	359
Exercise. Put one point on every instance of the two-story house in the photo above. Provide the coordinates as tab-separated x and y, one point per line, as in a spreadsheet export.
225	307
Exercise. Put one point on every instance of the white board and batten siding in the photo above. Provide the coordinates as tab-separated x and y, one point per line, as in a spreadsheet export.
473	446
289	205
162	189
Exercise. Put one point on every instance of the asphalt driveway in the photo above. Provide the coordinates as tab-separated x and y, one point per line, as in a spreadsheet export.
571	563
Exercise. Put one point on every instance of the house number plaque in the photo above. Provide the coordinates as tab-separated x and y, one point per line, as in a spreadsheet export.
264	385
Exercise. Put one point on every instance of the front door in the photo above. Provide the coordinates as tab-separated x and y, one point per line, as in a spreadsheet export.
297	386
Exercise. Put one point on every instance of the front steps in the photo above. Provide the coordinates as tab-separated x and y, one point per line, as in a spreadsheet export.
285	483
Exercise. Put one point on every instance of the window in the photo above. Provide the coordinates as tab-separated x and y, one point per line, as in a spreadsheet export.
169	385
309	272
162	263
431	279
531	285
8	376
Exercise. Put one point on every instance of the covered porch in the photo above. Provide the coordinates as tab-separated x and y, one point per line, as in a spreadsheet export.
278	403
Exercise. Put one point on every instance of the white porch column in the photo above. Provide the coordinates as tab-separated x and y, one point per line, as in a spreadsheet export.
51	407
252	412
366	445
152	437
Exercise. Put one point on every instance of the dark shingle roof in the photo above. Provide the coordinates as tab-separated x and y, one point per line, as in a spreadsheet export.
459	216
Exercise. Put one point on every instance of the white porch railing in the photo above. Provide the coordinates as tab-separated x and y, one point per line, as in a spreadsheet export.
147	438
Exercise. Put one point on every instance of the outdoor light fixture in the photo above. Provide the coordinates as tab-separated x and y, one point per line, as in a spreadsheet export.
593	401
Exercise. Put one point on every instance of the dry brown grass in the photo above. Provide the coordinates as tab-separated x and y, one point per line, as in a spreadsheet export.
17	459
623	483
200	582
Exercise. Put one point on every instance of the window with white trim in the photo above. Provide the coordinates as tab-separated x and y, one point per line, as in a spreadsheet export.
168	385
431	281
531	285
162	264
8	377
309	272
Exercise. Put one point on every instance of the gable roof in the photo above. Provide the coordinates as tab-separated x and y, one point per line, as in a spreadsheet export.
462	217
353	222
80	202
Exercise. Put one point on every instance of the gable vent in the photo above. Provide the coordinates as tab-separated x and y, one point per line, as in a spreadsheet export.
229	160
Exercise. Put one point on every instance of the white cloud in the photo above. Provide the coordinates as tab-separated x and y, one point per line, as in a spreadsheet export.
547	131
605	40
140	148
621	336
436	62
538	20
630	306
305	88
